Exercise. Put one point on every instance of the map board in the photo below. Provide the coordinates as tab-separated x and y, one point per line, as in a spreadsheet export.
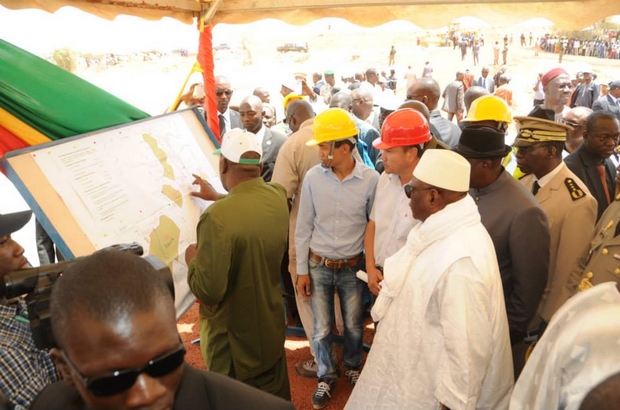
124	184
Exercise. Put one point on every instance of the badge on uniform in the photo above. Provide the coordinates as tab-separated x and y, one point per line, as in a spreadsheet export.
574	190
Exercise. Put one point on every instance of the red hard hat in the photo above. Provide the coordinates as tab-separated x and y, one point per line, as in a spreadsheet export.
402	128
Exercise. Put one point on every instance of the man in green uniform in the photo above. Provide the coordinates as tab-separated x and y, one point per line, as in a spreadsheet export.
234	269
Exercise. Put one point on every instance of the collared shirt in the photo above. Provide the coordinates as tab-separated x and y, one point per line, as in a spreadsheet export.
392	217
545	179
24	369
260	134
333	214
226	115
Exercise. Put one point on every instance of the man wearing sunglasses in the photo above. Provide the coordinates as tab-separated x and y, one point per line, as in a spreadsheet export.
442	341
24	369
565	199
228	119
118	347
575	118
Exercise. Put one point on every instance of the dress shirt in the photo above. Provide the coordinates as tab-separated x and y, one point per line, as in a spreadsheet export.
260	134
333	214
545	179
226	115
392	217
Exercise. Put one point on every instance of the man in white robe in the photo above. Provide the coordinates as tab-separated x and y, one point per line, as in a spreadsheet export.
579	349
442	341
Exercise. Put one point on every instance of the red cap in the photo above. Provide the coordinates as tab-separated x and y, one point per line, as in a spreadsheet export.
551	74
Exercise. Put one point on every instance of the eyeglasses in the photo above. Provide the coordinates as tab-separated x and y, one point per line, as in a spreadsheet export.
356	100
409	189
568	86
122	380
571	124
219	93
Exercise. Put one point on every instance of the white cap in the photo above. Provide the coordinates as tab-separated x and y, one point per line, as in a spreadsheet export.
237	142
292	84
443	169
199	91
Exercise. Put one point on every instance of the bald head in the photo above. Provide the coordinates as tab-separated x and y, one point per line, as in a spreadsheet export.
262	93
425	90
297	112
341	100
362	103
472	94
576	118
418	106
251	112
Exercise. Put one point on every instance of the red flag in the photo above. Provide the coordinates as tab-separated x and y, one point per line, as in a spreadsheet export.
10	142
205	59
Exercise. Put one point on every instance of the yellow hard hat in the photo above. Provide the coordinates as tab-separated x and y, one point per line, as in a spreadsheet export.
489	107
333	124
292	97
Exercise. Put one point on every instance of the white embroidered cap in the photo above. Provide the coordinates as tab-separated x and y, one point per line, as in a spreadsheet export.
237	142
443	169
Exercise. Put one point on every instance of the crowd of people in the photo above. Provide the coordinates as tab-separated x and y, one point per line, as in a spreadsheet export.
589	48
490	270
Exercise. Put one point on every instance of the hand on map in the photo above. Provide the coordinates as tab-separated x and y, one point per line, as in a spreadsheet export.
190	253
206	192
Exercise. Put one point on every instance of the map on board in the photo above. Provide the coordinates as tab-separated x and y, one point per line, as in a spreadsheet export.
133	184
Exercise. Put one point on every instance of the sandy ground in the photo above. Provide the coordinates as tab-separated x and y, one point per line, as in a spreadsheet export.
153	86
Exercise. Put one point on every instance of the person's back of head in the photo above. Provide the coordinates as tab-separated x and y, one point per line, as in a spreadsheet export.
297	112
473	93
427	90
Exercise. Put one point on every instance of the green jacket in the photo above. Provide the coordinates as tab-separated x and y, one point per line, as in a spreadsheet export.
236	277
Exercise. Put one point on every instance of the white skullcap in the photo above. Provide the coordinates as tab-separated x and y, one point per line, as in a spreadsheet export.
443	169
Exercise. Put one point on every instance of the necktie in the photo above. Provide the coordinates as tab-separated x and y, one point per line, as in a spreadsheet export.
601	174
535	188
484	82
222	125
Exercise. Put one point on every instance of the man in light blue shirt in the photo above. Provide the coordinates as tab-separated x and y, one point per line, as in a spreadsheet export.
336	200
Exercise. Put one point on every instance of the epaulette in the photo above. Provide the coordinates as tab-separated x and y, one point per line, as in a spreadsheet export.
618	196
573	189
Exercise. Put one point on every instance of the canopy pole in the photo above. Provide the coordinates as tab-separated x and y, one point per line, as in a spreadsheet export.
205	59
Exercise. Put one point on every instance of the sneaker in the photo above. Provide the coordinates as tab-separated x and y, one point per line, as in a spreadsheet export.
352	376
307	368
323	393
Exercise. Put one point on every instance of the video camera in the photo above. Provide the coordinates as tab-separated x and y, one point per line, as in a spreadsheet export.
37	284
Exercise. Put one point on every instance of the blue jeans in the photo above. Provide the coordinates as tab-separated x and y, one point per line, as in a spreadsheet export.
323	283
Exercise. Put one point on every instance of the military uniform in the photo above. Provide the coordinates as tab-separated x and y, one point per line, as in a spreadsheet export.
602	261
571	211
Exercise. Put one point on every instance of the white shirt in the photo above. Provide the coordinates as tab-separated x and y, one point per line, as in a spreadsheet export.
545	180
260	134
392	217
226	115
539	94
579	349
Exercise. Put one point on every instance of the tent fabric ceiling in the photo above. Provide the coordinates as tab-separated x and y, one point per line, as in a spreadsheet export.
427	14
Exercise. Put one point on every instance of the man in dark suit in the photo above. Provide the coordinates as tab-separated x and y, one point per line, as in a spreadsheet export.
251	112
611	101
228	119
114	322
484	81
591	162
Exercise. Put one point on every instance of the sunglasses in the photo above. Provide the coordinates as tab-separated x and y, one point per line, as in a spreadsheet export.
122	380
219	93
571	124
409	189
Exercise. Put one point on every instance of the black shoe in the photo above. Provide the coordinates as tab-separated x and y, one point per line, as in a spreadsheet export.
353	374
323	393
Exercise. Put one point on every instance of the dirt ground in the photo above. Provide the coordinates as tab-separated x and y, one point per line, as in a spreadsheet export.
153	85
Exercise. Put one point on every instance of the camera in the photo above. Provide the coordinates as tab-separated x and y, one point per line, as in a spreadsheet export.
37	284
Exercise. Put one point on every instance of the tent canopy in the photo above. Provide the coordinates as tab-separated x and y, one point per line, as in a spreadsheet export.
428	14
